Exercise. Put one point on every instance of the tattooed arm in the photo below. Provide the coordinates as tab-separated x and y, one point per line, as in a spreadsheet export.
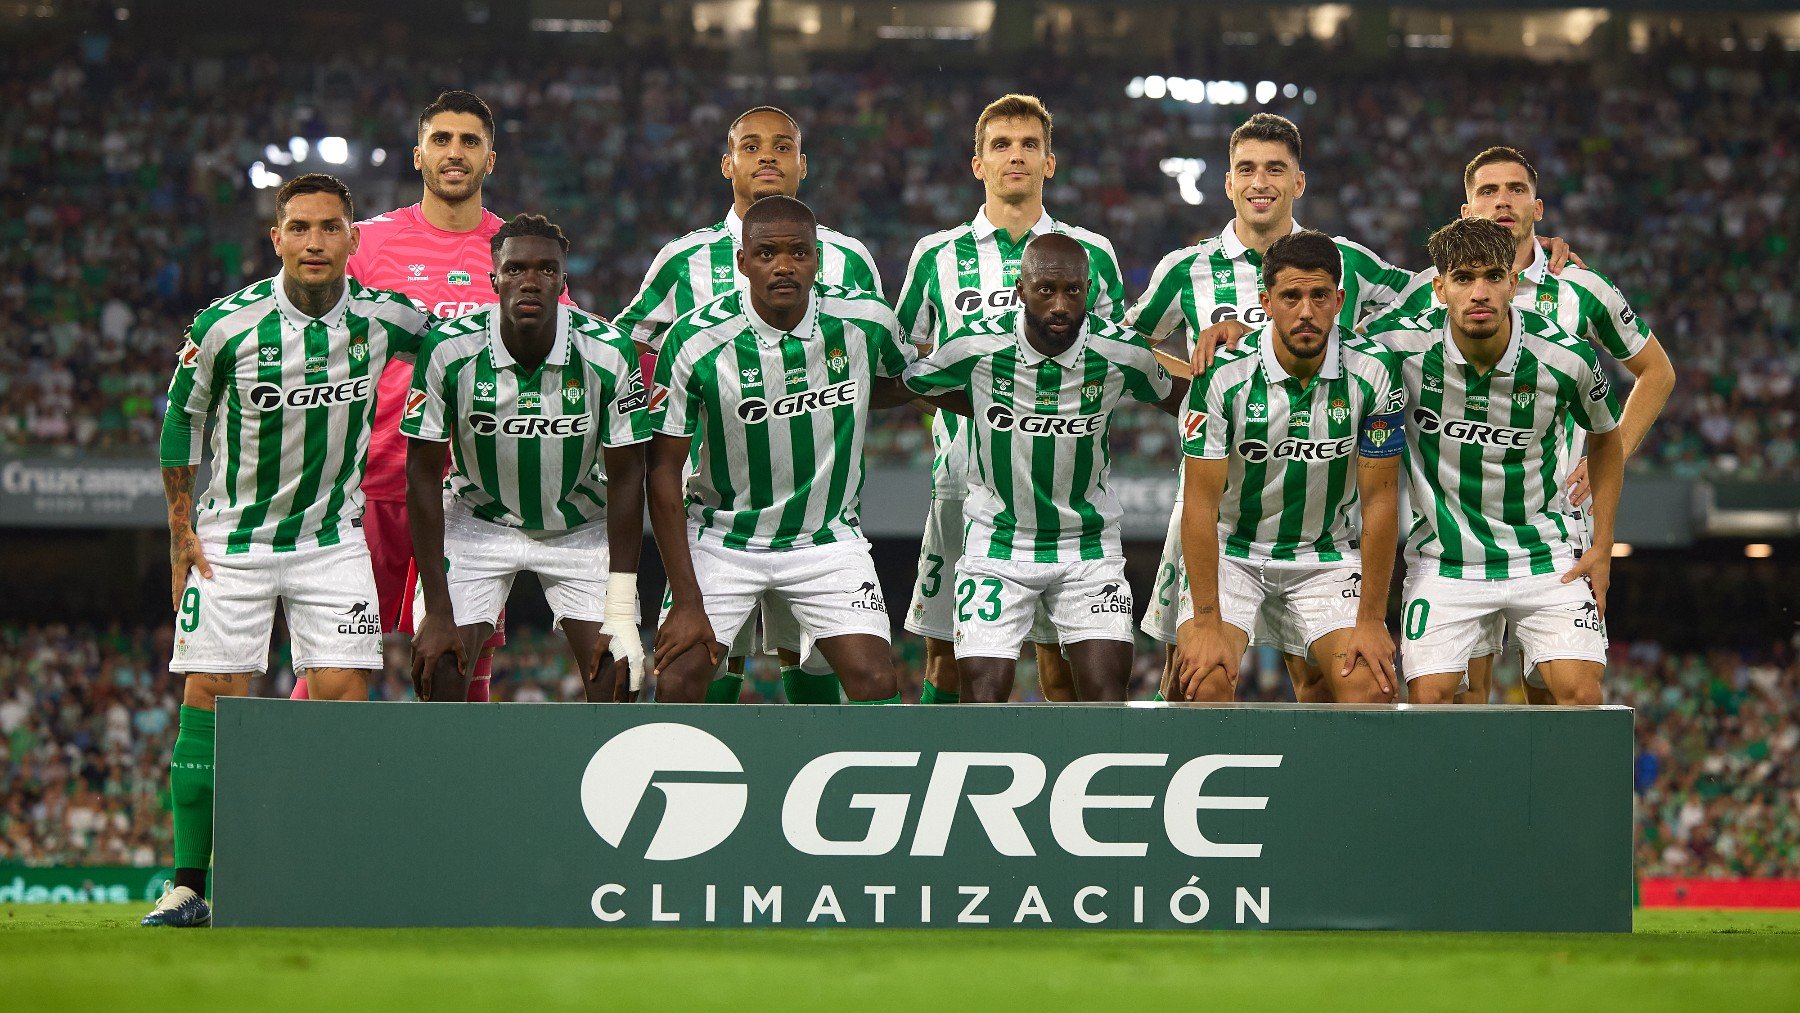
184	544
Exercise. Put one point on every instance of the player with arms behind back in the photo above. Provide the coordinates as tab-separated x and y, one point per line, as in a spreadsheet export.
286	370
1043	527
1271	520
533	396
1489	388
955	278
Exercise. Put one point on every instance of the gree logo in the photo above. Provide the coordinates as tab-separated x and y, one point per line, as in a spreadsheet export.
697	816
268	397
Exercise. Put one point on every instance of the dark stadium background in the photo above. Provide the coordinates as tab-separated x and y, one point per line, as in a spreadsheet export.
133	137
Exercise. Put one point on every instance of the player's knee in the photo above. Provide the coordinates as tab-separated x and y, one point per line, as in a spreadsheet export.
1431	691
1584	694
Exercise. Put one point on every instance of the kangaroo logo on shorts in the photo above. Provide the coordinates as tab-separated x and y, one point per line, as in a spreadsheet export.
1113	597
1587	617
360	620
1354	588
868	598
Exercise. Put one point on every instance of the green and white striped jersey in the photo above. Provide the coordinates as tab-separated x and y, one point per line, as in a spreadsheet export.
1483	452
294	397
526	445
1290	489
1039	464
1220	279
1581	302
777	417
969	273
702	266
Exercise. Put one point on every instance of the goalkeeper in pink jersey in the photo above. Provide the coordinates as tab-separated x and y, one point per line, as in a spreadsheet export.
437	251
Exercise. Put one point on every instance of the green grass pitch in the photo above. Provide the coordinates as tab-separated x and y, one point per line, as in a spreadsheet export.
95	957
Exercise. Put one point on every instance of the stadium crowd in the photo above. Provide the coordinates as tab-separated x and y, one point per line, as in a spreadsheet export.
87	719
128	204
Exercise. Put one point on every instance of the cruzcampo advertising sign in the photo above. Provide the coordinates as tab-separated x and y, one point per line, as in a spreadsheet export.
1172	817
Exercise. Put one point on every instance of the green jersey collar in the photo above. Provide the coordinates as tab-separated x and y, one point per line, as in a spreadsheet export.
768	334
1330	369
333	317
559	349
1068	358
1234	247
1507	363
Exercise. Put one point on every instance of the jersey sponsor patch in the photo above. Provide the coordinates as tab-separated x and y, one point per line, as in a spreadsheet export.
1297	450
190	353
526	427
1192	424
1598	391
755	409
269	397
1486	434
1003	419
415	404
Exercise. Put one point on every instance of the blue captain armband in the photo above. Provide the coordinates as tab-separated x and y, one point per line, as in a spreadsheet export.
1382	435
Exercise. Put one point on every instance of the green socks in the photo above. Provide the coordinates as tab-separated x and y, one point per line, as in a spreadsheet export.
1159	698
931	694
191	787
802	687
874	703
725	688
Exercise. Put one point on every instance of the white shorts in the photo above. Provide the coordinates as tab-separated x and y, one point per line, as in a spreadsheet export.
772	627
484	558
933	611
831	589
997	600
1285	605
223	625
1443	618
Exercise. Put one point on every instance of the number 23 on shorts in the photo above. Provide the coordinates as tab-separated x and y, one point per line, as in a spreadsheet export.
988	609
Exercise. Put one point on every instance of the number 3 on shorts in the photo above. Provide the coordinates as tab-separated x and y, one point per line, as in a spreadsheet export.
190	610
933	580
1418	612
990	606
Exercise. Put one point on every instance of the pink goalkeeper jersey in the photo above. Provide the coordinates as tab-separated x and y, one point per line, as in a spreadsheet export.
447	272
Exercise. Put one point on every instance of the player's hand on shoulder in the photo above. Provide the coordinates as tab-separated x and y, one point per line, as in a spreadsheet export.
1557	250
1207	342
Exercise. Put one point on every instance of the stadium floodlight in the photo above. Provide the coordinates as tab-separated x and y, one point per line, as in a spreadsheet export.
1265	91
261	178
378	156
1289	90
334	150
277	156
1135	88
1759	550
1621	550
1155	86
298	148
1186	173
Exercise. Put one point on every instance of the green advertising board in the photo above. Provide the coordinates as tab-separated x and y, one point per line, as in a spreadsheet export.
1167	817
92	884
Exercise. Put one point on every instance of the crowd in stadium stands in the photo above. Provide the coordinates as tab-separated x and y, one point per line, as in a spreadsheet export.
128	205
87	719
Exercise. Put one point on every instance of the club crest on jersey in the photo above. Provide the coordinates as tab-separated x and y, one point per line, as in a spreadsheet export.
1090	392
416	271
415	404
1339	411
572	391
1377	432
837	360
1192	424
1524	395
459	278
359	351
1299	421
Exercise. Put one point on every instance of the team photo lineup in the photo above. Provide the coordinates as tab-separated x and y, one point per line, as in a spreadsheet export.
414	411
